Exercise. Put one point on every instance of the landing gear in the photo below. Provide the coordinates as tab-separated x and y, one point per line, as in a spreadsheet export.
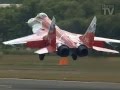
74	56
41	57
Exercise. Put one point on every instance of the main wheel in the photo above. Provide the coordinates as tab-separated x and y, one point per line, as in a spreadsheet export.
41	57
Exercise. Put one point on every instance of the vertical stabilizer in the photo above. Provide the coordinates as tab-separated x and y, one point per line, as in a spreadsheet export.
88	37
52	34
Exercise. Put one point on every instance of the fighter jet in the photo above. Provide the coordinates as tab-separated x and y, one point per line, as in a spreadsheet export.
49	38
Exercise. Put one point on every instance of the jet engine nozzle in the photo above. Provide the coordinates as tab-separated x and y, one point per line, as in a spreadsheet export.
63	51
82	50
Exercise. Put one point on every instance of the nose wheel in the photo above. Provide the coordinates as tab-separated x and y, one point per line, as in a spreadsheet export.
74	56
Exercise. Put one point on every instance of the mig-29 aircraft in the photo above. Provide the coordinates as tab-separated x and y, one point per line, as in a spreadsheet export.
49	38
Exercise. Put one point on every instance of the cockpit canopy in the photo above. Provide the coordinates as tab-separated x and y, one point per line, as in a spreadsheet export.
35	24
31	21
41	15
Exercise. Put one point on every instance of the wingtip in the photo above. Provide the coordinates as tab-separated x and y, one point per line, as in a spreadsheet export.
4	43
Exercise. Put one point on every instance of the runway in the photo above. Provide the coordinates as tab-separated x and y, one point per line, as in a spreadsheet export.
29	84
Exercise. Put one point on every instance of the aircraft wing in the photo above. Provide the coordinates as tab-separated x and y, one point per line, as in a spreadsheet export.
38	33
23	40
106	39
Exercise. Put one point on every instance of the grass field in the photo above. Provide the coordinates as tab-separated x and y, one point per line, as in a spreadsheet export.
84	69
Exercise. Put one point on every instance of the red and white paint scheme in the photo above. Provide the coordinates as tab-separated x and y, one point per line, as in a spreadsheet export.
49	38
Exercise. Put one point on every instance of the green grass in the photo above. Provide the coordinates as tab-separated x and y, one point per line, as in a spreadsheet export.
84	69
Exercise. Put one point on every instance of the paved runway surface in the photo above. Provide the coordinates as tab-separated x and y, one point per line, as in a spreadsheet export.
24	84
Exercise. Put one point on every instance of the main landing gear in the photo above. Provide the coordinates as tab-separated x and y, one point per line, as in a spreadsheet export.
41	57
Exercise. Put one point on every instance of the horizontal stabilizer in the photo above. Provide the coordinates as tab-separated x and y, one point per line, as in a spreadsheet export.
104	49
48	49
